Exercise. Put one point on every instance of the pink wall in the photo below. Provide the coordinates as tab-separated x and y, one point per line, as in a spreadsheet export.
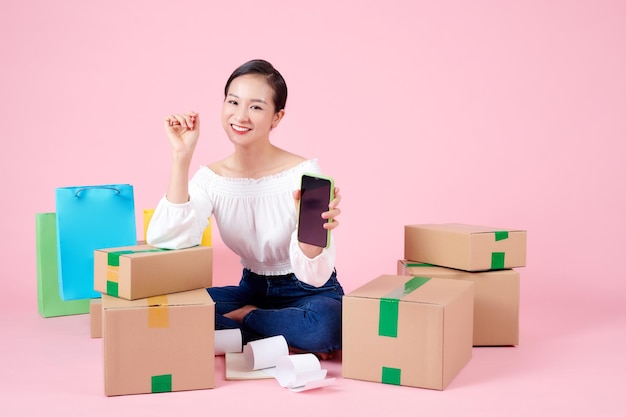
501	113
508	114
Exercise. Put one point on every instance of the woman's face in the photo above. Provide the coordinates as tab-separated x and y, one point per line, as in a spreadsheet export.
248	113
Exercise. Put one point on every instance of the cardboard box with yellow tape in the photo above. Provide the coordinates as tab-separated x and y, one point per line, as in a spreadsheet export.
496	300
409	331
465	247
134	272
158	344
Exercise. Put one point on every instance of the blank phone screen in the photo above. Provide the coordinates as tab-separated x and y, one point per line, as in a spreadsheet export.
314	199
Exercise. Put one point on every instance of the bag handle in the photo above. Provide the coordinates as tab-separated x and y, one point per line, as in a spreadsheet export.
103	187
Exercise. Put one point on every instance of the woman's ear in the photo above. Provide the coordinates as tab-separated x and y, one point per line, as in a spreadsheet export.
278	116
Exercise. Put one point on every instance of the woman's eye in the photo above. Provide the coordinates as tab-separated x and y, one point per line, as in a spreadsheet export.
232	102
256	108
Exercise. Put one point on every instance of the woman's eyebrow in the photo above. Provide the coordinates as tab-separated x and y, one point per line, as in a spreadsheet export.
254	100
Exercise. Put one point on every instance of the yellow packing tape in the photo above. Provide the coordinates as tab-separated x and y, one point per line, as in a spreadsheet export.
113	273
158	312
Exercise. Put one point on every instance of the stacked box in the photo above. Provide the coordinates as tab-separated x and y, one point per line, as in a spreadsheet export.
496	300
141	271
481	254
95	318
465	247
408	331
157	318
158	344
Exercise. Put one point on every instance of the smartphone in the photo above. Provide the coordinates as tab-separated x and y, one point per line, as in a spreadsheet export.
316	192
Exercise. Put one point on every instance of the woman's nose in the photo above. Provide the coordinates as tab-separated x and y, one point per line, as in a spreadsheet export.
242	113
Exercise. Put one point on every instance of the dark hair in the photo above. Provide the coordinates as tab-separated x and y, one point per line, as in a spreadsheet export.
273	77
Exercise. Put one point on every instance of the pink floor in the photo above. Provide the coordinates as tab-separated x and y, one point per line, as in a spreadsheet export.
570	362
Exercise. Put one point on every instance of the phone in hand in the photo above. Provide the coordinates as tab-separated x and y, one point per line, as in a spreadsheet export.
316	192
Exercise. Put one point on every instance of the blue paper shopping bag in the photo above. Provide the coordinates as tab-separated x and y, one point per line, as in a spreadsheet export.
90	218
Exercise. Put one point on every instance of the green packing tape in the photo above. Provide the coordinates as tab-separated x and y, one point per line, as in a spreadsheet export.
391	376
501	235
162	383
497	260
112	288
408	265
388	317
113	258
389	306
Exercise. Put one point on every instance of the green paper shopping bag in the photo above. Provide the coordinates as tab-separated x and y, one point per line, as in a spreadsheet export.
90	218
49	301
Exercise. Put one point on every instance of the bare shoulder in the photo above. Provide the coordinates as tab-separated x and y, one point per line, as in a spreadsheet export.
221	167
277	161
289	160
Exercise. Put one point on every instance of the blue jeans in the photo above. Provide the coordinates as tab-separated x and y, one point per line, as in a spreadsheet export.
308	317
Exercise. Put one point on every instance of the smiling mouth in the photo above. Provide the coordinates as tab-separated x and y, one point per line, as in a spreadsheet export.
240	128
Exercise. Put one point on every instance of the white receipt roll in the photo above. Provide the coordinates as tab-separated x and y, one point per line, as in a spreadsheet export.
264	353
227	340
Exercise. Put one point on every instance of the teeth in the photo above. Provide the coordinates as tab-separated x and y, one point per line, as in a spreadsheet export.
239	128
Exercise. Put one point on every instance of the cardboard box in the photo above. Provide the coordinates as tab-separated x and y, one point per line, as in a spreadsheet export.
159	344
141	271
408	331
95	318
496	300
465	247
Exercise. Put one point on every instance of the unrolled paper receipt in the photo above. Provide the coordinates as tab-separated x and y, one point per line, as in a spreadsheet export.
300	372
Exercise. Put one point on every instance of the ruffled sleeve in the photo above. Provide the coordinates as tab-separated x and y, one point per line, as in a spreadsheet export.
178	226
313	271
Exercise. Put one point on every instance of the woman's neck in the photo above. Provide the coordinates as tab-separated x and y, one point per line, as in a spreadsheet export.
247	160
254	163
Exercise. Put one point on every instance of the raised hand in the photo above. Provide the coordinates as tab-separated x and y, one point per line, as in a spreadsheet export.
183	131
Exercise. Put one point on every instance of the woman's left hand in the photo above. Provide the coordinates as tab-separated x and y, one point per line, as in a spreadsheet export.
333	212
312	251
333	209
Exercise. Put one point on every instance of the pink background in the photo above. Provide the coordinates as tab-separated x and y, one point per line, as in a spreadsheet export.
500	113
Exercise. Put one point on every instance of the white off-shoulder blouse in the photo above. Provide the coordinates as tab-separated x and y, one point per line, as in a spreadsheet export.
256	218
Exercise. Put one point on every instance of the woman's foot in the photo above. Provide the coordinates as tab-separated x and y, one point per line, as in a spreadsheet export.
238	314
320	355
323	356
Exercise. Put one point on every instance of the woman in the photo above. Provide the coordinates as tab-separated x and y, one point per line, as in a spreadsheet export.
287	287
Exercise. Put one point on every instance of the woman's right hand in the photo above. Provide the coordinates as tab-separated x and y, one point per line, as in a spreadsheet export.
183	131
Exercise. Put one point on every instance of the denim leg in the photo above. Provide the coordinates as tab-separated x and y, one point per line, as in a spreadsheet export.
312	324
308	317
230	298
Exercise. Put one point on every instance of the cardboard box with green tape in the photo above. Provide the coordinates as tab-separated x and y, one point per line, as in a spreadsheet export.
496	300
134	272
158	344
465	247
409	331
